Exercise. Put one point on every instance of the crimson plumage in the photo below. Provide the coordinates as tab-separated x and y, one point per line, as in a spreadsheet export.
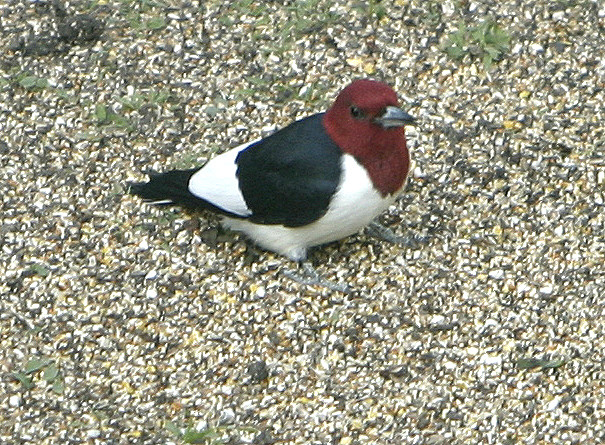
317	180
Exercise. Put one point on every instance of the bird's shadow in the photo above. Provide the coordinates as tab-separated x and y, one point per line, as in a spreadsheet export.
213	234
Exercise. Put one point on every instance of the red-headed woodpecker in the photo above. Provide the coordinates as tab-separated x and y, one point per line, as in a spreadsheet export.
317	180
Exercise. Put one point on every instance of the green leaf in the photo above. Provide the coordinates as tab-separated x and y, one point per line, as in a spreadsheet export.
101	112
530	363
51	372
28	81
161	97
553	364
225	20
118	120
133	102
59	385
197	437
479	33
63	94
486	40
173	428
454	52
134	20
35	364
248	429
499	37
41	82
460	36
156	23
39	269
91	136
25	380
493	52
100	414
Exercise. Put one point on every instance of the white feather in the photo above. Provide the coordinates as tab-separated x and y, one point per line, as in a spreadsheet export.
217	183
355	204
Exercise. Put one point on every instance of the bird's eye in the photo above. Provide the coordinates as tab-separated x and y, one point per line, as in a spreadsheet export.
356	112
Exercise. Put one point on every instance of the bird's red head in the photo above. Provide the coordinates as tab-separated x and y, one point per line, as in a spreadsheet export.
366	122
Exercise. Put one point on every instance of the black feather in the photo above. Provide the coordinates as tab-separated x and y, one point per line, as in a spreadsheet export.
291	176
172	188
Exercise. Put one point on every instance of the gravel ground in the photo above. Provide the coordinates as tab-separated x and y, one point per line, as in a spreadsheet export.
121	323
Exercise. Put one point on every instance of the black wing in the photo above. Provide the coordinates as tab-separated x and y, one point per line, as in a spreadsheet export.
290	177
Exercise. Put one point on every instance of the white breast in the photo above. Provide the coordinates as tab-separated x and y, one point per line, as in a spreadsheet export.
353	207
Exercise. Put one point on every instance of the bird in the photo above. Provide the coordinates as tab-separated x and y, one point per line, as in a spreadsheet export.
320	179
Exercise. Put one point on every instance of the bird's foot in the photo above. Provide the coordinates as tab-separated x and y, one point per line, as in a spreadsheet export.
377	230
411	241
311	277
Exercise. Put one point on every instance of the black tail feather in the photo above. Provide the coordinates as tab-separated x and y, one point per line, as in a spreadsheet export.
172	188
167	188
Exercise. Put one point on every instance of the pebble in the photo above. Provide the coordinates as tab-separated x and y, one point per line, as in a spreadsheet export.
14	401
93	434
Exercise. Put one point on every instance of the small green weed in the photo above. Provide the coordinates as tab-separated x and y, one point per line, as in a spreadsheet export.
106	116
486	40
432	16
292	21
315	93
33	82
30	82
132	102
373	9
138	22
144	15
530	363
135	101
209	436
117	118
37	269
197	156
50	373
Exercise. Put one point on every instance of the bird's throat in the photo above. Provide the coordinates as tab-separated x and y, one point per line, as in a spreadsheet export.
389	171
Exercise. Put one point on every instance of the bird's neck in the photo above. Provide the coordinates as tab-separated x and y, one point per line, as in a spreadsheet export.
387	161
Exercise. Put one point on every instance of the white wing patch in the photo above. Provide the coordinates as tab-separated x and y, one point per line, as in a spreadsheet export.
217	183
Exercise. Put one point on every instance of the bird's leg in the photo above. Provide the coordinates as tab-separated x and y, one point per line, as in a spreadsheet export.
311	277
377	230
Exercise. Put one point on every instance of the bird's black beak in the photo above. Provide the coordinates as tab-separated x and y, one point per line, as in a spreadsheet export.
394	117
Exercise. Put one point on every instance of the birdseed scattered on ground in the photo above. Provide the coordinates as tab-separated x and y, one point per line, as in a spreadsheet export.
122	323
